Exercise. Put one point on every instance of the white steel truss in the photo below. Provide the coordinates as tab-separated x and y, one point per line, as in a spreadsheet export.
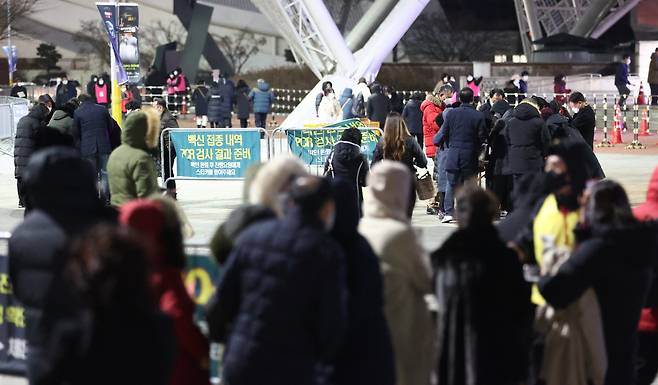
556	16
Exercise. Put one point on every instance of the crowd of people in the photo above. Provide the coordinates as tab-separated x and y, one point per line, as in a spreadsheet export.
548	278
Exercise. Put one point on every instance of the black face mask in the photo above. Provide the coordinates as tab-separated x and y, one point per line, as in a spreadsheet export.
555	182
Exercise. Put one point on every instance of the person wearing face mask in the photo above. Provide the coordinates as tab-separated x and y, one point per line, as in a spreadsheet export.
621	79
91	84
584	119
432	108
65	92
287	276
474	84
512	90
329	110
102	92
405	268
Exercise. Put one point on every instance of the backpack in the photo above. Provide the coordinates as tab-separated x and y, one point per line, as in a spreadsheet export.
359	106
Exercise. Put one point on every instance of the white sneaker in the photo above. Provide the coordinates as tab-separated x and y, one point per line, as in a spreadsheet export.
447	219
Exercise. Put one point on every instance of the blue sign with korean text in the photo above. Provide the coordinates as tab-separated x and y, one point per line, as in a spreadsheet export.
215	154
314	145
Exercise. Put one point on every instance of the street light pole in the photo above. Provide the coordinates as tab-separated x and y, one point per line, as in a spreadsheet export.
115	91
11	50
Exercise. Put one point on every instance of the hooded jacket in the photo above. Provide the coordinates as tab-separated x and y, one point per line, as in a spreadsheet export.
26	130
346	162
464	132
527	140
378	106
242	102
648	211
214	103
262	98
131	170
63	202
485	316
561	131
62	119
615	262
431	108
405	268
148	219
366	355
279	306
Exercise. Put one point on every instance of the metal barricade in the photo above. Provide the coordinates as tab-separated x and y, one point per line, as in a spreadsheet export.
321	141
11	111
213	153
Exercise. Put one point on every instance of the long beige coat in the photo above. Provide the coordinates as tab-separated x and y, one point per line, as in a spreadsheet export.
406	272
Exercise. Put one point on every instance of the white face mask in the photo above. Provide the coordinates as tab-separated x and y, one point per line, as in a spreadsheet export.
101	82
469	79
525	78
575	109
65	82
445	80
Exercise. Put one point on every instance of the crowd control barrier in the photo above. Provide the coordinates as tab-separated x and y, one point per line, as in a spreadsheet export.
11	111
212	153
313	146
13	346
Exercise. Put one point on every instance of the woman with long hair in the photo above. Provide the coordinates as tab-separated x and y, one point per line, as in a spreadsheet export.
398	145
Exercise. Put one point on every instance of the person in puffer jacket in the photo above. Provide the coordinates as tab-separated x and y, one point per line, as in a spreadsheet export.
647	363
131	170
25	144
346	162
262	99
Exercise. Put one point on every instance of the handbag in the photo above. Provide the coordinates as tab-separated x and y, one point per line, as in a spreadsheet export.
425	186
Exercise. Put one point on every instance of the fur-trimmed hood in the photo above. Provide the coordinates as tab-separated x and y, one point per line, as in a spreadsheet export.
141	129
272	180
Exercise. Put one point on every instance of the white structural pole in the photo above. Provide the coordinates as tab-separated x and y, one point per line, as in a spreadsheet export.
533	21
330	35
389	33
368	24
613	18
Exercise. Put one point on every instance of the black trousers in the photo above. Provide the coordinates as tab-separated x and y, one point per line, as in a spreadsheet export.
21	192
420	138
624	91
647	358
654	94
244	123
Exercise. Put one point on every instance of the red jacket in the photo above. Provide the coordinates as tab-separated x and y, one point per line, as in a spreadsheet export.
648	211
432	107
191	346
561	88
147	218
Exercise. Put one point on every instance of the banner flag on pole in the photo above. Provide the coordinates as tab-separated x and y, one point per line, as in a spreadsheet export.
11	56
109	15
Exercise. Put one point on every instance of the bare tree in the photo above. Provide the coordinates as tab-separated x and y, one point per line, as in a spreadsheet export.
92	38
239	48
17	9
430	39
158	33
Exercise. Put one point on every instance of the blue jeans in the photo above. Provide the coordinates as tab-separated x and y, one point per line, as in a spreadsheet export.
99	164
261	119
455	180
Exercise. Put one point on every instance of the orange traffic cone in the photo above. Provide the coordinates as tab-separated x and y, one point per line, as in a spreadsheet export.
616	127
183	108
644	125
641	100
